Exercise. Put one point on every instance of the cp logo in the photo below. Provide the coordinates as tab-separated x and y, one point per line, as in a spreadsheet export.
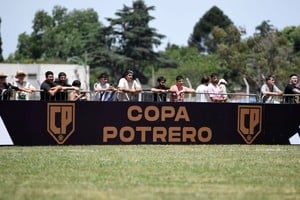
249	122
61	121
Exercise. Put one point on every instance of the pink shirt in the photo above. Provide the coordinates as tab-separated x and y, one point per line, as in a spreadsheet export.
177	98
213	90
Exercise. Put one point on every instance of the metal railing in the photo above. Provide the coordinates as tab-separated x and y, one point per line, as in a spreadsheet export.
148	96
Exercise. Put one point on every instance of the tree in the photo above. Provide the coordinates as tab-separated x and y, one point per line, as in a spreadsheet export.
60	36
293	36
132	39
191	64
201	37
268	52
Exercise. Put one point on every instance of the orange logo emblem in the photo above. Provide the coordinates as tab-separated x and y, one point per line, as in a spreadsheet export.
249	122
61	121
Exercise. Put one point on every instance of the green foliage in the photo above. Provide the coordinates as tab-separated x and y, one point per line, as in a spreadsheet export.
191	65
201	36
129	41
61	36
132	40
293	36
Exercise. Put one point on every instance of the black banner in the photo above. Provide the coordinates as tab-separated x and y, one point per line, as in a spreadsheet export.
107	123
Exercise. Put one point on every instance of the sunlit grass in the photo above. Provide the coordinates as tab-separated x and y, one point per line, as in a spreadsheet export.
150	172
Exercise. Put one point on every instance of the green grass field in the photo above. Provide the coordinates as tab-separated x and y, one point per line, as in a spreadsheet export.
150	172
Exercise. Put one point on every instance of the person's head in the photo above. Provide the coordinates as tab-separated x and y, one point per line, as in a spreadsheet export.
128	75
293	79
20	75
205	80
103	78
161	80
62	76
49	76
76	83
214	78
222	81
2	77
179	80
270	80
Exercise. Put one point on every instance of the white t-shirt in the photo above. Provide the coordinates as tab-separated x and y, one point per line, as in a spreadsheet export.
20	95
124	84
99	94
201	96
269	99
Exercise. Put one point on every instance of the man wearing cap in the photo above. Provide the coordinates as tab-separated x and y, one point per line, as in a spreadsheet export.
21	83
6	89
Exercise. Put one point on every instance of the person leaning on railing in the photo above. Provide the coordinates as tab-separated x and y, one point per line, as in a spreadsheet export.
178	90
62	94
269	90
49	88
291	89
6	89
128	87
160	90
103	91
215	94
76	94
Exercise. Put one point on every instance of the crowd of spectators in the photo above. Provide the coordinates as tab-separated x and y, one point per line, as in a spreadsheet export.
210	89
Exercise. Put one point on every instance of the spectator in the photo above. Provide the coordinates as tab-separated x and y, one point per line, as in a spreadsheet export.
103	90
62	95
291	89
223	88
21	83
128	87
202	90
160	90
76	95
6	89
269	90
214	90
178	90
49	88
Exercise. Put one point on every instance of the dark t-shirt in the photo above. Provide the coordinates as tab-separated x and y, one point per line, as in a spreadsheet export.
44	94
289	90
6	91
62	95
160	96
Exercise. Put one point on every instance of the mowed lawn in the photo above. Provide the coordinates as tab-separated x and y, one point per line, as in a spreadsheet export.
150	172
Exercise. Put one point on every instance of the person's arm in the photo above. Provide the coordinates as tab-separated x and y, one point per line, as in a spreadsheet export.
214	97
68	88
218	98
136	88
276	92
107	88
74	95
54	90
296	90
159	90
188	90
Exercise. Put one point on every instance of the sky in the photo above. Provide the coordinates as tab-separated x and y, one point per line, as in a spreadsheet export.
174	19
